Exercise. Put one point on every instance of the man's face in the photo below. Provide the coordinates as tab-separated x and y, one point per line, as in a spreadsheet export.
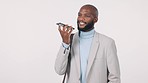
86	19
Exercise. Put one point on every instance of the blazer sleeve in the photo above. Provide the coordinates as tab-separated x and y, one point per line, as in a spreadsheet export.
113	64
62	60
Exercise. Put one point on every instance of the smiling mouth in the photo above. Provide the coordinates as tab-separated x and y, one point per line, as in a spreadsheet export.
82	24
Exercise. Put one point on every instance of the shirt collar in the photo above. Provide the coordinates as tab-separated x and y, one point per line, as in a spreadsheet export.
88	34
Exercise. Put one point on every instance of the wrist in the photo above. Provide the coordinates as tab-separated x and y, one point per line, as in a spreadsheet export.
66	42
65	45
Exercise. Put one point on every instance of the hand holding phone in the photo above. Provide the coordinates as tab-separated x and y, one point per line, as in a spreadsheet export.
65	32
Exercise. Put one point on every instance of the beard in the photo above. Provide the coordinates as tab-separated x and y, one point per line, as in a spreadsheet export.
88	27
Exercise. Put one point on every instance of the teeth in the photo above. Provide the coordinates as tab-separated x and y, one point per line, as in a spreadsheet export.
82	23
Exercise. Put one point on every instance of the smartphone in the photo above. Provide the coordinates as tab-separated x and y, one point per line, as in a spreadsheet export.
62	25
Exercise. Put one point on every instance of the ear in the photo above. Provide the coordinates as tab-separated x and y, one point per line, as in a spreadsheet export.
95	20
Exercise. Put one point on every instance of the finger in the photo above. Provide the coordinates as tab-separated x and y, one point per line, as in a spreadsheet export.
65	28
60	30
70	29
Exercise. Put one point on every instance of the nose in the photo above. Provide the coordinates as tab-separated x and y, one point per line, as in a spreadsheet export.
81	18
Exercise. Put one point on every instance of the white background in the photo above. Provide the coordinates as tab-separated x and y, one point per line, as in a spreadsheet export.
29	39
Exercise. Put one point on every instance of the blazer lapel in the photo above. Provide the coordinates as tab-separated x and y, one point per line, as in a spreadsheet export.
93	51
76	52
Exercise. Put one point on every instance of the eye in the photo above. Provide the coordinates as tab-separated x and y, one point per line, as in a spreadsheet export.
88	15
79	14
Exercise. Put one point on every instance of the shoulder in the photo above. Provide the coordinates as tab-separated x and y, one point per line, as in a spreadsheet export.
103	39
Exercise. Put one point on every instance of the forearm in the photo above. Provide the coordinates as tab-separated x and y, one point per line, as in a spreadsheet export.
62	60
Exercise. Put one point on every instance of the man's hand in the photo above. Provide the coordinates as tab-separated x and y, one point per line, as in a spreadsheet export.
65	33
